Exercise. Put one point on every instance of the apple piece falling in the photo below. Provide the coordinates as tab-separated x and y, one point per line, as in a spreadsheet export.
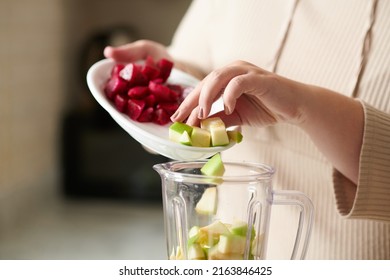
207	204
214	166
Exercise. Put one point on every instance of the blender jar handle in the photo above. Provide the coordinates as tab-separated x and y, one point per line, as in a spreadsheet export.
306	207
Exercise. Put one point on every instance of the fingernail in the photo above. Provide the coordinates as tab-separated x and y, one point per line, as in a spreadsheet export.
200	113
227	110
174	116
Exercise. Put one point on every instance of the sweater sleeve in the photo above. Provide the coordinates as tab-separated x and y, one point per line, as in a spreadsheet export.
190	43
372	199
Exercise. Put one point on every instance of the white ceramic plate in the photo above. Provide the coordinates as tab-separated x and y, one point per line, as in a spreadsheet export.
150	135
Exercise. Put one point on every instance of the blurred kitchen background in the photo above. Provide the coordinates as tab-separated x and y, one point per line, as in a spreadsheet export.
73	185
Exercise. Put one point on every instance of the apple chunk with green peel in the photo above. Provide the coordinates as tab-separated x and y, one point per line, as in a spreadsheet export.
195	252
209	235
241	228
231	244
185	139
214	166
177	129
235	136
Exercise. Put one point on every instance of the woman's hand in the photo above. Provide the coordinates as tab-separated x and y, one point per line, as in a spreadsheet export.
141	49
251	96
137	50
255	97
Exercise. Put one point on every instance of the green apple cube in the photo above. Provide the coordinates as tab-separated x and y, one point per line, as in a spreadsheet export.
217	129
200	137
231	244
235	136
208	202
219	136
241	228
207	123
185	139
193	235
215	254
215	228
177	129
195	252
214	166
209	235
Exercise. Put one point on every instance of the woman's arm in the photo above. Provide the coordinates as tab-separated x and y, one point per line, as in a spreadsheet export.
335	123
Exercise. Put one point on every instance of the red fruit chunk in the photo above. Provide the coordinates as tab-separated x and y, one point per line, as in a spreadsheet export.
175	96
134	108
161	117
138	92
165	67
116	69
150	72
150	61
168	107
161	92
147	115
150	100
176	92
158	81
114	86
120	103
132	74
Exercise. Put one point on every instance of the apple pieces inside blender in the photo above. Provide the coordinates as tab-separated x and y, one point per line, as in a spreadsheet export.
141	91
220	241
211	133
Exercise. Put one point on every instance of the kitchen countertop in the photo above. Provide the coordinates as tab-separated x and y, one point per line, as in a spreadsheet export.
87	229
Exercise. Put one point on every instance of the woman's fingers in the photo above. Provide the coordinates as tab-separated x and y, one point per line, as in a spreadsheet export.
214	86
188	105
136	51
198	103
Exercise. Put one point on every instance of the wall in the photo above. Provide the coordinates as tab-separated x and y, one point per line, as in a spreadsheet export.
31	72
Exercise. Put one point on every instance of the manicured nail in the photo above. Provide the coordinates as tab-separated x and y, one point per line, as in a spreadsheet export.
227	110
200	113
174	116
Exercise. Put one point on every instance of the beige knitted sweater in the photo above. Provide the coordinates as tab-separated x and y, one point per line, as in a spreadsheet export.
323	47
